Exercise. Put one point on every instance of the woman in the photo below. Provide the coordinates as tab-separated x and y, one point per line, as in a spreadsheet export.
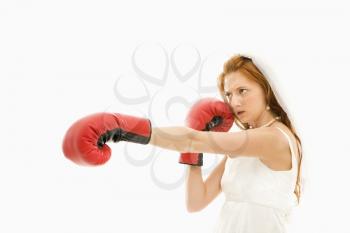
260	174
261	184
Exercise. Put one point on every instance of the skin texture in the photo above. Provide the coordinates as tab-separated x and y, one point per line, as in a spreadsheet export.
266	143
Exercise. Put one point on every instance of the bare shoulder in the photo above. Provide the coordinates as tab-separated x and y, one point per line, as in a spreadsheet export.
282	159
289	133
295	142
285	129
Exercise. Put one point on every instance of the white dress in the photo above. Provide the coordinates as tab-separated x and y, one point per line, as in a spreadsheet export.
257	199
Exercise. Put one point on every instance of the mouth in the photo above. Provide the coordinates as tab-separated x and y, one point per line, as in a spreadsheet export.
240	113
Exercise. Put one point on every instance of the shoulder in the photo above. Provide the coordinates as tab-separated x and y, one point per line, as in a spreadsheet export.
295	144
276	133
284	137
277	129
264	142
269	143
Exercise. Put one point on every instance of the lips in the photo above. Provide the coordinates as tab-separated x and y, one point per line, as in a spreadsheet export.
240	112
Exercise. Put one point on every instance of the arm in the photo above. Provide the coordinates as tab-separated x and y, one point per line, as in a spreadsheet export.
173	138
199	194
262	142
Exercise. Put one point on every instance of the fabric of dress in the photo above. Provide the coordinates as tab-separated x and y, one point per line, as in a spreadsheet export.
257	198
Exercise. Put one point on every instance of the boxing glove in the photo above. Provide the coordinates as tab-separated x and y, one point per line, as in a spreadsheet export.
208	114
85	141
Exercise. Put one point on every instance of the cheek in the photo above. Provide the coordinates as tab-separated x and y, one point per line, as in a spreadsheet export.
253	102
250	100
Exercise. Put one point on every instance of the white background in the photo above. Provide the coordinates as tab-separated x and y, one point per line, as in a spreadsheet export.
59	61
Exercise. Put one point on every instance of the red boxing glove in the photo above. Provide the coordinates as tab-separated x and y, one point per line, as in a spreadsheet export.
84	142
208	114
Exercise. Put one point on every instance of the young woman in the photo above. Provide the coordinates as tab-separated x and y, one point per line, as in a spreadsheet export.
260	172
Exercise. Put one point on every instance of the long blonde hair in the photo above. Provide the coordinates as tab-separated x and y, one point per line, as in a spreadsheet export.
246	66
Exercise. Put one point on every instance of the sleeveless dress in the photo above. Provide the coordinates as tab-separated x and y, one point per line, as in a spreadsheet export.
257	198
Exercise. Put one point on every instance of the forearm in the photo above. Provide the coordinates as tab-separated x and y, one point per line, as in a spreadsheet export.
181	139
195	189
172	138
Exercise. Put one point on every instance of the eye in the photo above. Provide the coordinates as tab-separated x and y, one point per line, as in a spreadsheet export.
228	94
242	90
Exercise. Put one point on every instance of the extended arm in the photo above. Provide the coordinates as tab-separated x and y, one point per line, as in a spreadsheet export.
173	138
262	142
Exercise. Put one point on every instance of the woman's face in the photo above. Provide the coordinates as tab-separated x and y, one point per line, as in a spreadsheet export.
246	97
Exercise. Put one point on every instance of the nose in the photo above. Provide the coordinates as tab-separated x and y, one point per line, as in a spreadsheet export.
236	102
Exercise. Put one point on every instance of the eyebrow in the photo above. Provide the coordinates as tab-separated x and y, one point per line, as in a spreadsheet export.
236	88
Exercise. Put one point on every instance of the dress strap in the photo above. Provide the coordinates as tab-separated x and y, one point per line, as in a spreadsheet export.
294	161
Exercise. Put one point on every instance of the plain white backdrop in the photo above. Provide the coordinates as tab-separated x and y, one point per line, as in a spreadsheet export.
61	60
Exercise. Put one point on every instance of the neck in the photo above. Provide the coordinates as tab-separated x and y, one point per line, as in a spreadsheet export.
266	119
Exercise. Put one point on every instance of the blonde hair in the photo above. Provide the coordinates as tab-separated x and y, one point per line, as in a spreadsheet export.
246	66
